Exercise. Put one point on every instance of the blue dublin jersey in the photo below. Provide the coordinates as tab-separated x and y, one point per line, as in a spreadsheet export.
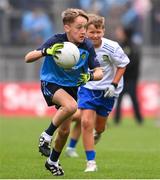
51	72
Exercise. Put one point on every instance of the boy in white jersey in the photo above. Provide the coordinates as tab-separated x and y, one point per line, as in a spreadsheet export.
96	99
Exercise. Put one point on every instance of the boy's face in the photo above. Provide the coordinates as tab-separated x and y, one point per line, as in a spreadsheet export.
95	34
76	31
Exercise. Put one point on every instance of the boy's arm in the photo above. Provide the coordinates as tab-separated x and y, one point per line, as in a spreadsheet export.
97	74
37	54
119	73
33	56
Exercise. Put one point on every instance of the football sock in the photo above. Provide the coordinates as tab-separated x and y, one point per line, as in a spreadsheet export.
46	136
54	155
72	143
52	162
90	155
51	129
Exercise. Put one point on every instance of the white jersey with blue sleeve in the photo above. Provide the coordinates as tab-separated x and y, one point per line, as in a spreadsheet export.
110	56
52	73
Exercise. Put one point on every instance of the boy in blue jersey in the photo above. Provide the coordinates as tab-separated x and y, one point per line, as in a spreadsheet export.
96	98
59	87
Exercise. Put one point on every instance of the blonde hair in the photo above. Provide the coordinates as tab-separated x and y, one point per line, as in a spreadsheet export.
96	20
69	15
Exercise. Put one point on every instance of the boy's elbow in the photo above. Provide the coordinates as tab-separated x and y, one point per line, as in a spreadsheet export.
26	58
101	74
98	74
31	56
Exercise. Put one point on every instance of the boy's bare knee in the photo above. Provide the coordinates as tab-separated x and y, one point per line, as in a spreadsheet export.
70	108
86	125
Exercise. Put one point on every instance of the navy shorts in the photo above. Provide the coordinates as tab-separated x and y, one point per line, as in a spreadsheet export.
48	89
95	100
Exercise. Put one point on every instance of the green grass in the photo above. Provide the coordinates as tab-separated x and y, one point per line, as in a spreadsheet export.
125	151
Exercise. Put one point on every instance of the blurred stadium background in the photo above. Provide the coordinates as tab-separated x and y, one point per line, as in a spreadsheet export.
25	24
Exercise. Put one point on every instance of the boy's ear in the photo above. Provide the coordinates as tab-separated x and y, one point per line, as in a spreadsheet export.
66	28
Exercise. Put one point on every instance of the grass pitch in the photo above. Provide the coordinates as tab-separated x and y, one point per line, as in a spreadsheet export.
125	151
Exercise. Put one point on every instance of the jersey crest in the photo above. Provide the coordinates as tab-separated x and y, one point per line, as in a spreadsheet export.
105	58
83	55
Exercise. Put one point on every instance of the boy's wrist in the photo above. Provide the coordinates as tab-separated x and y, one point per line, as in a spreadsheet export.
44	52
91	76
114	84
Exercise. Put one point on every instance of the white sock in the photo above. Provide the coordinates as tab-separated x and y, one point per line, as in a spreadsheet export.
46	136
52	162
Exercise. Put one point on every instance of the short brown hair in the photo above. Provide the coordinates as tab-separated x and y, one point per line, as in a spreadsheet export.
69	15
96	20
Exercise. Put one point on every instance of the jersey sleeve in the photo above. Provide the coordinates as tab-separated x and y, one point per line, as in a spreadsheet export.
120	59
48	43
92	60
